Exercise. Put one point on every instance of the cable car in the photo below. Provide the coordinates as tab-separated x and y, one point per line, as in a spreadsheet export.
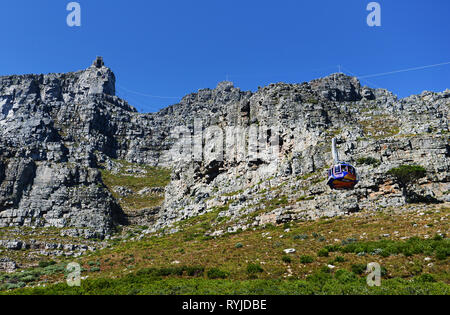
342	176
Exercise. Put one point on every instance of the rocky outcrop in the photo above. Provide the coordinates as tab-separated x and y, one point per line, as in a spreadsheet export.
48	172
304	117
7	265
236	151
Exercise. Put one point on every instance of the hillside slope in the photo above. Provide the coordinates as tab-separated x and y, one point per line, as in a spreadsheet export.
78	164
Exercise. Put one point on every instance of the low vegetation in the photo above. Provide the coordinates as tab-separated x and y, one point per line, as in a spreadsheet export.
409	246
380	126
437	247
45	272
135	178
406	175
341	282
368	161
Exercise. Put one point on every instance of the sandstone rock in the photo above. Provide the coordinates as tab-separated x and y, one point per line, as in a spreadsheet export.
7	265
58	130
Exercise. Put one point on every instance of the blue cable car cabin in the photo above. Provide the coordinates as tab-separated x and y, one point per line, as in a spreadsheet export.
342	176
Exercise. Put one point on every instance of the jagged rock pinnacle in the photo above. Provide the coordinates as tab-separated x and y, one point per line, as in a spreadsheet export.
98	62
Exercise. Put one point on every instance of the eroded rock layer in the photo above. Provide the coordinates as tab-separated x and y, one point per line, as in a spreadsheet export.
62	135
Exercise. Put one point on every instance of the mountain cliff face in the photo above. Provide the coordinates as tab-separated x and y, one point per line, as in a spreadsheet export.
76	157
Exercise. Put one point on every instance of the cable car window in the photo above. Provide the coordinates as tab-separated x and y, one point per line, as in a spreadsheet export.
352	170
337	169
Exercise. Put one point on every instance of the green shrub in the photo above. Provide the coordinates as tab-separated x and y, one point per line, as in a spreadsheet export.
415	268
43	264
254	268
216	273
286	259
405	175
342	283
425	278
29	278
413	246
368	161
54	269
359	269
333	248
305	259
175	271
325	269
349	240
13	286
146	272
345	276
320	277
239	245
339	259
192	271
323	252
442	253
195	271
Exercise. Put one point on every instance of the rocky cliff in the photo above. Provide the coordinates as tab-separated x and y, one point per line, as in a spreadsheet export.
76	157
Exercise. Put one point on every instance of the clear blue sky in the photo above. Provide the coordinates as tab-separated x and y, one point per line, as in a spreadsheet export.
172	48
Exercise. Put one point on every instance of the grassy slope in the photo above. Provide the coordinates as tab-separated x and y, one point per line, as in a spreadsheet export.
155	265
151	177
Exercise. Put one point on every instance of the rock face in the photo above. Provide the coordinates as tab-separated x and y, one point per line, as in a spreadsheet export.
7	265
259	155
48	172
